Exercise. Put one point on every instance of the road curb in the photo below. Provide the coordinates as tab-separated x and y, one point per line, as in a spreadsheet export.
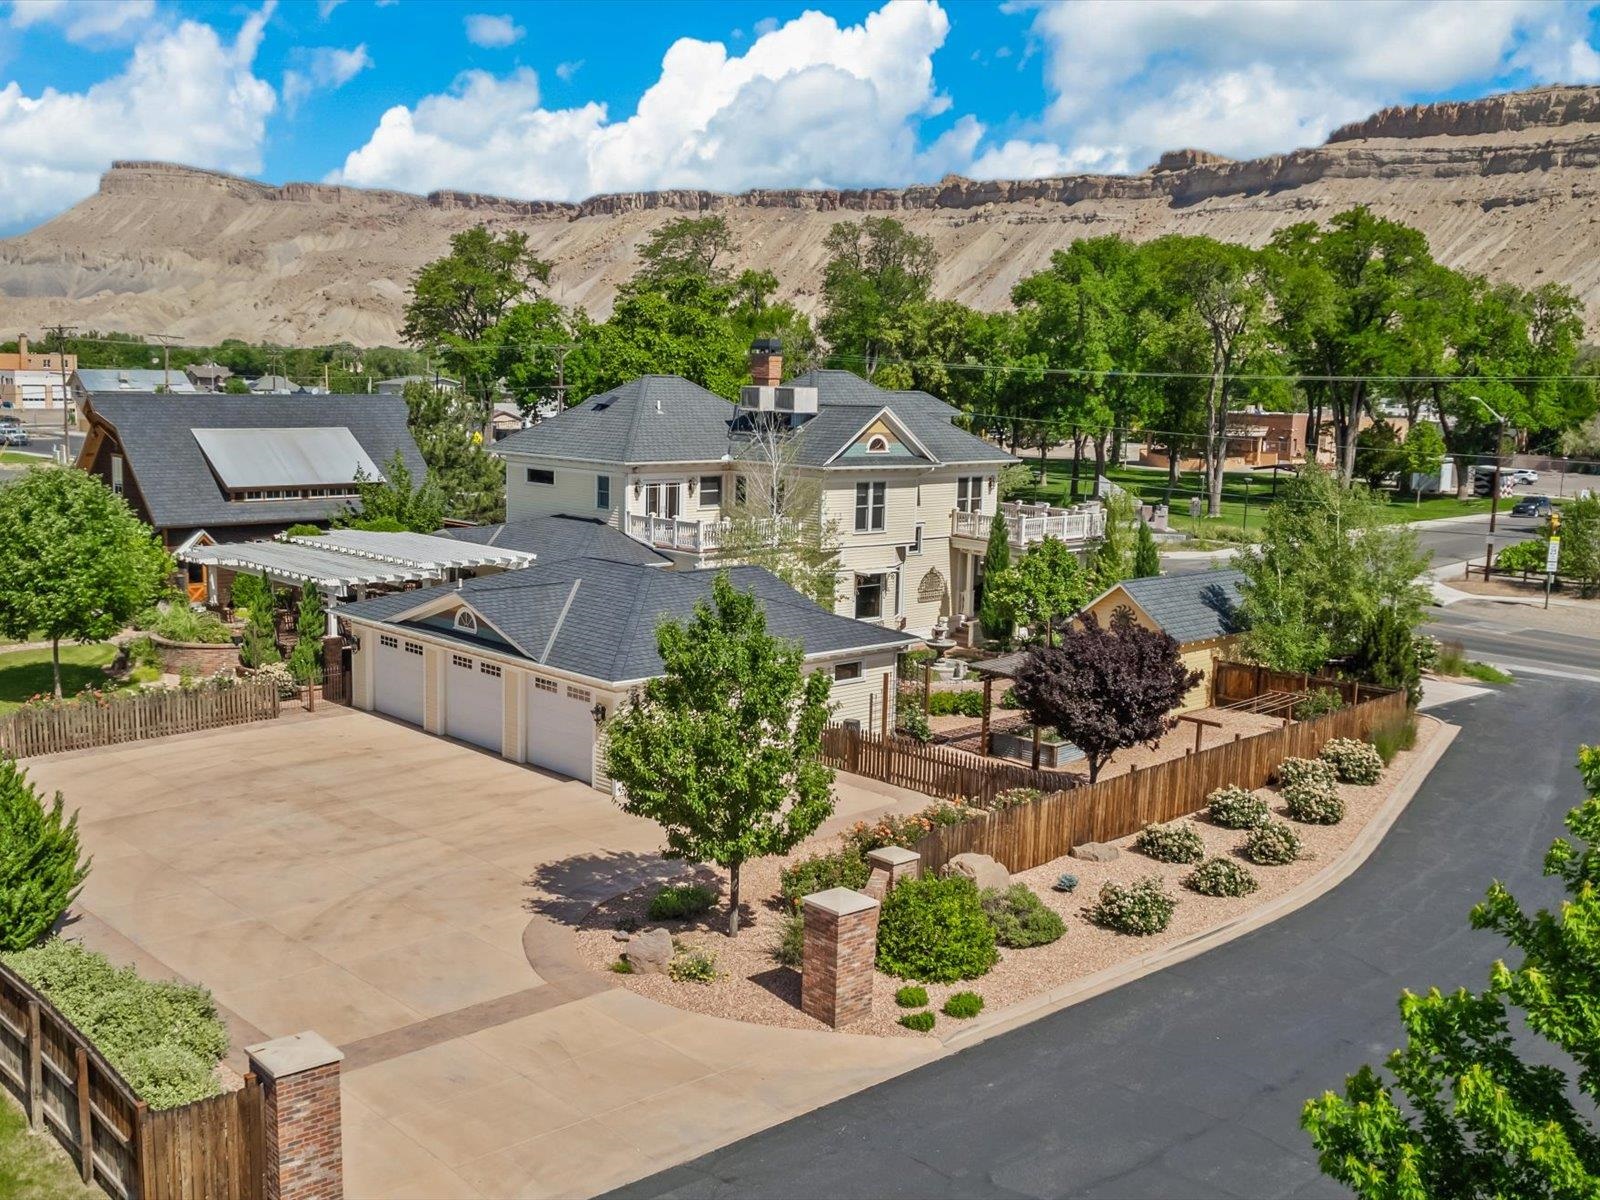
1325	880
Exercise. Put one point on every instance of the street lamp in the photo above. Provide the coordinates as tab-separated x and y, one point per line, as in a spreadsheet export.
1499	441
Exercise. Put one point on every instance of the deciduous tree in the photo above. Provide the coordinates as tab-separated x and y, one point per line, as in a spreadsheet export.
1043	586
75	563
877	269
395	503
1106	688
723	749
1470	1110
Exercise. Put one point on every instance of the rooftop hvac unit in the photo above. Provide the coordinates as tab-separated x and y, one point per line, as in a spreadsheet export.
785	399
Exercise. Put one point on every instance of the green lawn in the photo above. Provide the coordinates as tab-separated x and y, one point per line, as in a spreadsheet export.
34	1166
1239	519
25	673
12	458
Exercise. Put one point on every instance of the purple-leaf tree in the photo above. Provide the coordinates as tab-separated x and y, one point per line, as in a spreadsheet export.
1105	688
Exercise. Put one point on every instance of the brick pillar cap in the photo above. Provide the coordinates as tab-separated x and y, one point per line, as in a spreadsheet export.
841	902
292	1055
892	856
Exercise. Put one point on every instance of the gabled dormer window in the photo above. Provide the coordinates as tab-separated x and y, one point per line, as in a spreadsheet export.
465	621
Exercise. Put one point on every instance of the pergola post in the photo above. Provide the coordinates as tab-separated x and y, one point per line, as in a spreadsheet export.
1036	745
988	700
927	688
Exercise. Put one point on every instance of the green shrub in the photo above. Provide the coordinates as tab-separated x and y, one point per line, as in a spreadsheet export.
622	967
41	860
842	868
1353	761
1065	882
963	1006
1394	736
1317	704
912	724
1272	845
1015	797
164	1038
1234	807
1008	699
934	930
143	652
919	1021
1174	842
966	703
681	902
1020	918
693	964
304	530
1427	651
1140	909
1221	877
1450	657
1312	804
1305	770
180	623
791	948
903	829
911	996
144	675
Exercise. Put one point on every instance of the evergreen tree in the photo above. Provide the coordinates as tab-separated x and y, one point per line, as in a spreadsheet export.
311	625
994	616
1146	561
254	594
41	863
1387	655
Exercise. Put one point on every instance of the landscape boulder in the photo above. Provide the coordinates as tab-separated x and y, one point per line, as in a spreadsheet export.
649	951
981	869
1096	852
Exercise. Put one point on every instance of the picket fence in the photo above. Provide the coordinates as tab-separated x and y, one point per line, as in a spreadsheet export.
82	724
212	1149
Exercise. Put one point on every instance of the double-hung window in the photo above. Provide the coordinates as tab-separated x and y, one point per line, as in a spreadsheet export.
711	489
602	491
870	505
969	494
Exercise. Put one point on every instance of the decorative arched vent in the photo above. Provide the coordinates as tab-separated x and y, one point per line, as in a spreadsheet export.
466	621
877	444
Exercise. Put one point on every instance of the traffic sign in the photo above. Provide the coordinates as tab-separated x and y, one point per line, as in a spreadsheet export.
1552	555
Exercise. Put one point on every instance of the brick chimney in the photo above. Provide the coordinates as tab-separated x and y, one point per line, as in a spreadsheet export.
766	362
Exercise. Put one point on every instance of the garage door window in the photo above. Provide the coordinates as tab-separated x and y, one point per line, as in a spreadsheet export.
545	685
414	648
577	693
461	660
489	669
387	642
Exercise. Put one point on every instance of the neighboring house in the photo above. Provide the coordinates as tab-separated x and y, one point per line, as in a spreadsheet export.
223	468
1199	609
273	385
208	377
31	380
397	385
508	419
530	663
97	381
556	539
910	495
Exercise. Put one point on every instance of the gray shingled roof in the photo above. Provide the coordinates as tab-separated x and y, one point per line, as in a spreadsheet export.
612	609
1192	607
852	401
98	380
556	539
156	433
652	419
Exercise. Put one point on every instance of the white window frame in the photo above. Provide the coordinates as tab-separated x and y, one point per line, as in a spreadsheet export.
877	444
660	488
542	476
602	491
969	494
872	506
847	672
916	542
466	621
711	489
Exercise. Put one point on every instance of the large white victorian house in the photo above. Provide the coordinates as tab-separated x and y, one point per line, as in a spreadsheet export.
910	495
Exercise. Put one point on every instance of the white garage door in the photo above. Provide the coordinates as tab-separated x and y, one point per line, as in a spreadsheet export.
397	679
560	727
474	699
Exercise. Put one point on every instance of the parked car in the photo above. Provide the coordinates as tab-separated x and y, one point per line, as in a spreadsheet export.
13	435
10	420
1532	506
1524	475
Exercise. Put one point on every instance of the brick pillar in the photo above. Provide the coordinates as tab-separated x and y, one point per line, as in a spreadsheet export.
300	1114
891	865
841	944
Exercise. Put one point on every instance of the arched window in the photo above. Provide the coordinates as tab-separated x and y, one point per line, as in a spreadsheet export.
465	621
877	444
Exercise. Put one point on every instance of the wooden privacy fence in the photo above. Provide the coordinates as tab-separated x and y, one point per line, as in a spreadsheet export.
935	770
1032	834
209	1150
87	723
1235	682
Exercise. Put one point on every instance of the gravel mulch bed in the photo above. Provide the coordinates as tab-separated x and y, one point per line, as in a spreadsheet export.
753	987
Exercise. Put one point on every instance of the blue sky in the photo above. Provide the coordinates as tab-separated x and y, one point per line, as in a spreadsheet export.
559	100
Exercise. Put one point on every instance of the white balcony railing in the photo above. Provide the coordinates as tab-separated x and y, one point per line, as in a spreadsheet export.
1029	524
676	533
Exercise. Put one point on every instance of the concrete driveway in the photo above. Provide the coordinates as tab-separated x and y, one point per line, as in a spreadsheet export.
407	897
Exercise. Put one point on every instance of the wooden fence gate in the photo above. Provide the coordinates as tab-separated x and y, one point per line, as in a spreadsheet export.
213	1149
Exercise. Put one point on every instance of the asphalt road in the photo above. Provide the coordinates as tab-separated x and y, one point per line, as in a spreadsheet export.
1189	1082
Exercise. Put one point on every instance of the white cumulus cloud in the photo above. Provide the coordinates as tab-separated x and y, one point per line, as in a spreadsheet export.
492	31
100	20
1251	77
326	68
809	103
186	95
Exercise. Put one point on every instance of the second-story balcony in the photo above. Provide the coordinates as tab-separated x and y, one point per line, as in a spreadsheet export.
685	534
1029	524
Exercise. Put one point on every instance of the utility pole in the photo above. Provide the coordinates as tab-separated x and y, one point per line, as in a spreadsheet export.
166	340
562	349
61	332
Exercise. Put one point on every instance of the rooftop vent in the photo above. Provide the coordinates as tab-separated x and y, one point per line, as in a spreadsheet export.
756	398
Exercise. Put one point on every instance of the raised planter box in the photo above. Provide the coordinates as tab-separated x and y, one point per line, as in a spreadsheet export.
202	658
1053	752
